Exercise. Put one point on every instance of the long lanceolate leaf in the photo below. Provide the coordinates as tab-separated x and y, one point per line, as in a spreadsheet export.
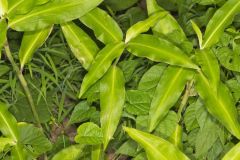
19	7
112	97
31	42
167	93
82	46
101	64
209	65
42	15
220	104
8	127
156	148
159	50
219	21
143	26
103	25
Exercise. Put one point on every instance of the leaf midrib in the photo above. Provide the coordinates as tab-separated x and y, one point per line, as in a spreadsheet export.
221	23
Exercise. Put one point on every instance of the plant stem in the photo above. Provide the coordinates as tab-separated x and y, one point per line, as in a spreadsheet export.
184	100
23	83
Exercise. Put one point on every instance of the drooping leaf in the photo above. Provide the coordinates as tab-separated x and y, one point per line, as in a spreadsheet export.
112	98
41	16
89	133
233	154
220	104
221	19
104	26
101	64
31	42
70	153
143	26
167	93
198	32
156	147
159	50
32	136
82	46
209	65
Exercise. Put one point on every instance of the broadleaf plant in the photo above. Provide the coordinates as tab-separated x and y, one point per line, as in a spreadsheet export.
132	79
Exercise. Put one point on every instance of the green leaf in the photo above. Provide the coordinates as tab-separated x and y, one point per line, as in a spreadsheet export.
89	133
159	50
70	153
176	137
101	64
209	65
104	26
220	104
151	78
8	124
40	2
30	43
97	152
112	98
3	7
233	154
198	32
82	112
128	148
33	137
143	26
137	102
156	147
19	7
167	126
41	16
167	93
3	34
82	46
221	19
120	5
5	142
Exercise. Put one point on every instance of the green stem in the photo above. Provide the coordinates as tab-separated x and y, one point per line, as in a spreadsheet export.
23	83
184	100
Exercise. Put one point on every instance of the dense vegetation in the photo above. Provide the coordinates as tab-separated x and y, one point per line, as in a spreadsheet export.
119	79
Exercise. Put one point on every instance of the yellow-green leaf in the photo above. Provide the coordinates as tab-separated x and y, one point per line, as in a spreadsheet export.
82	46
54	12
159	50
112	98
156	147
101	64
220	104
221	19
143	26
70	153
233	154
31	42
104	26
167	93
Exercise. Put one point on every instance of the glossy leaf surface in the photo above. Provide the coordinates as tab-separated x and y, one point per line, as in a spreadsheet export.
156	147
112	98
30	43
221	19
62	10
101	64
220	104
104	26
233	154
159	50
70	153
167	93
82	46
143	26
